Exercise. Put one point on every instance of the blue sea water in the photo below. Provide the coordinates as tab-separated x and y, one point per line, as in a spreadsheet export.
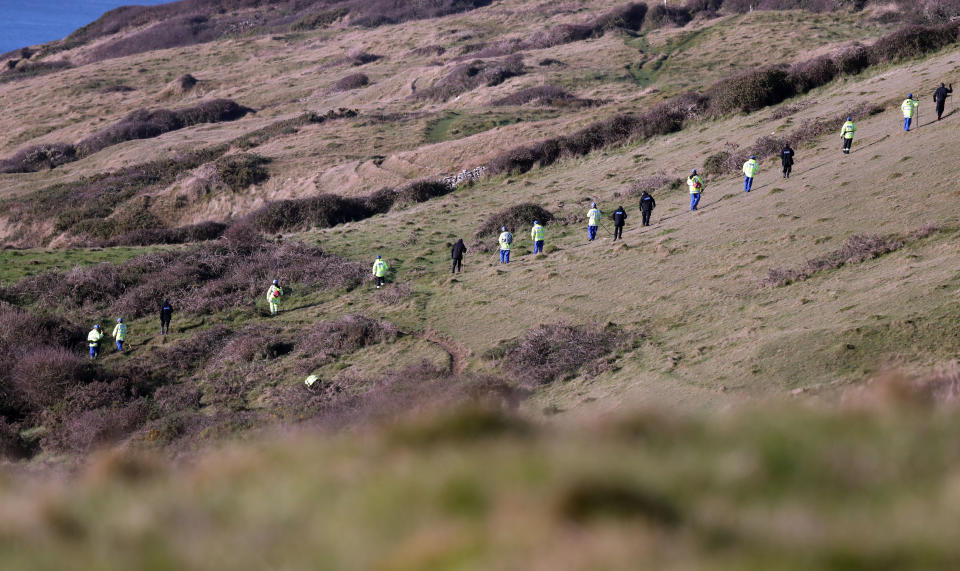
31	22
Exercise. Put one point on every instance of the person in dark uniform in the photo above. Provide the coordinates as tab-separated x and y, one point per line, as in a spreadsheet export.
940	98
166	312
786	160
619	219
647	204
456	254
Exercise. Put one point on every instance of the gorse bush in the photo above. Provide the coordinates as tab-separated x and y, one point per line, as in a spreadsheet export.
913	41
858	248
352	81
39	157
552	352
200	232
750	91
241	171
514	218
319	20
467	76
541	95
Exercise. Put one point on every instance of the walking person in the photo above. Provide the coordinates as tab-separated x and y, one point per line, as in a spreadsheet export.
695	183
909	108
506	241
537	234
846	134
380	268
93	341
456	254
274	293
940	98
786	159
647	204
750	169
166	313
120	333
619	219
593	219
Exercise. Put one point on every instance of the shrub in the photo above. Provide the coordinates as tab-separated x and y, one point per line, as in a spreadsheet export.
346	335
319	20
813	73
514	217
241	171
541	94
85	431
39	157
653	183
912	41
662	15
467	76
26	69
43	376
421	191
175	32
852	59
549	352
858	248
199	232
750	91
323	211
352	81
12	447
176	398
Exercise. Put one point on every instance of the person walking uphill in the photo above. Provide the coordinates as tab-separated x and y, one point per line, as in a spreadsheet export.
647	204
456	254
120	333
593	219
93	341
696	187
166	313
537	234
786	160
619	219
274	293
505	240
940	98
846	133
379	270
750	169
909	108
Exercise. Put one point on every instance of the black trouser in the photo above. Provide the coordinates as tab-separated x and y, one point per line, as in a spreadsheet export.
940	105
618	232
457	265
846	145
786	170
379	281
646	216
164	326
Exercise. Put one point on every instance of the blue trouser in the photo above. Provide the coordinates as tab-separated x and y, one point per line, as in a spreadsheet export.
94	350
747	183
694	200
906	123
538	247
119	344
592	232
504	256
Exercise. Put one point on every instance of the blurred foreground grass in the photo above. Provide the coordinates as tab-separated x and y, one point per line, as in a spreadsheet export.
784	487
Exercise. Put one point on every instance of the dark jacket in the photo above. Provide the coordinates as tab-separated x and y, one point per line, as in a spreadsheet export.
940	95
458	250
647	202
786	156
166	311
619	217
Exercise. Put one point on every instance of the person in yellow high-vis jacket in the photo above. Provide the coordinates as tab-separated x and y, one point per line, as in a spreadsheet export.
695	183
93	341
593	220
909	108
274	293
537	235
380	268
120	333
750	169
505	240
846	133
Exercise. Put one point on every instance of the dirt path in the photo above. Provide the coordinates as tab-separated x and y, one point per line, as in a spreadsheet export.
458	353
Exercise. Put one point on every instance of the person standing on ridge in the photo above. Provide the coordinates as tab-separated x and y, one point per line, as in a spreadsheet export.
456	254
593	219
696	187
505	240
786	159
940	98
93	340
166	313
537	234
750	169
379	270
909	108
619	219
647	204
274	293
120	333
846	133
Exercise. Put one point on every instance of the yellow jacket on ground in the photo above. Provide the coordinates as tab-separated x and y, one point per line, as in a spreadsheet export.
536	233
94	337
750	168
380	268
848	129
504	240
274	293
593	217
909	107
120	331
695	183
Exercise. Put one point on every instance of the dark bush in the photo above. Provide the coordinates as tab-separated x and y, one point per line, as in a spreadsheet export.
175	32
421	191
241	171
552	352
176	398
912	41
199	232
541	94
858	248
352	81
80	433
852	59
12	447
319	20
43	376
813	73
514	218
27	69
590	500
661	15
467	76
345	335
39	157
750	91
630	16
323	211
97	394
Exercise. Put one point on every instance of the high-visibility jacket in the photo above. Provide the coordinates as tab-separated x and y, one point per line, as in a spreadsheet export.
274	293
750	168
909	107
94	337
695	183
848	129
380	268
120	331
505	239
593	216
537	232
